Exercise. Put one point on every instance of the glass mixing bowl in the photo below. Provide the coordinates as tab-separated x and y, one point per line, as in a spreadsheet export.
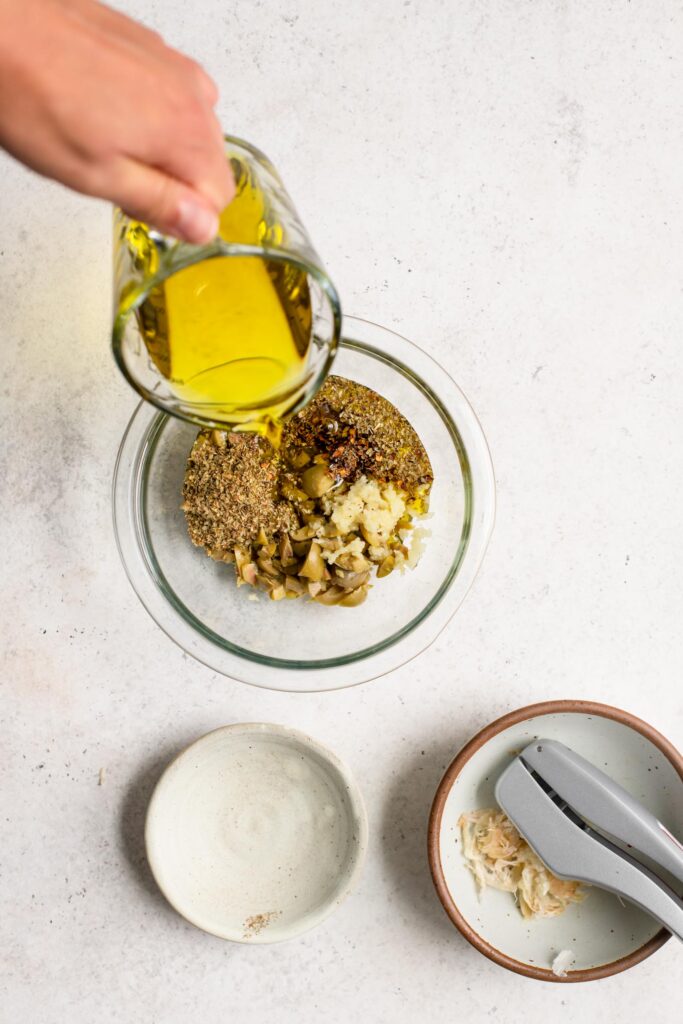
301	645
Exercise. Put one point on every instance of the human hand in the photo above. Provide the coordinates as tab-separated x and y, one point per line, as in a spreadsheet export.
96	101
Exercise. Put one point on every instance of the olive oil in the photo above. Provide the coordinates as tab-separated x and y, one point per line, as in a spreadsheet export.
232	332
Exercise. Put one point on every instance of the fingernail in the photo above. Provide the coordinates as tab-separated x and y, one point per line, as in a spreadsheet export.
196	222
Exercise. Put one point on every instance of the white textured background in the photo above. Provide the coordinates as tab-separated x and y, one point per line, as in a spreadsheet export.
500	181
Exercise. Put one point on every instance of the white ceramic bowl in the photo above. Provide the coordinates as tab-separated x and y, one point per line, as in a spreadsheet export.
605	935
256	833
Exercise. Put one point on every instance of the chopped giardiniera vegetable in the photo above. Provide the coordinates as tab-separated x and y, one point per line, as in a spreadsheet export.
314	566
316	480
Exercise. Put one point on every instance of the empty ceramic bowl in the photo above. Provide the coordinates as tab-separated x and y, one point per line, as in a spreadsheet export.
256	833
602	935
301	645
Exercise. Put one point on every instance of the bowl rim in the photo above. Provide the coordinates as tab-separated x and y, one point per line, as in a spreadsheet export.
152	438
547	707
358	809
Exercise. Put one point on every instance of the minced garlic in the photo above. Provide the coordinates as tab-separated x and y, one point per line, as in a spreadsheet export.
355	548
371	507
499	857
562	962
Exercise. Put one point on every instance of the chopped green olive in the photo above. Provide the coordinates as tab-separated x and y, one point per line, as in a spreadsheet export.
314	566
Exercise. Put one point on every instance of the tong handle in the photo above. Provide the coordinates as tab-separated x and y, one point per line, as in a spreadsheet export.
603	803
571	851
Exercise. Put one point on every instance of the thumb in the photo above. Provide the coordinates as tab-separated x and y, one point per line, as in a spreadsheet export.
165	203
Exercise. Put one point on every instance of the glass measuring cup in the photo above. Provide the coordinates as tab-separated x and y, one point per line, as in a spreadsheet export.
239	332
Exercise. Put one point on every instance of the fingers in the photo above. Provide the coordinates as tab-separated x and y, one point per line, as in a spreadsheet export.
201	160
186	139
146	39
208	86
111	21
180	133
148	194
144	135
205	85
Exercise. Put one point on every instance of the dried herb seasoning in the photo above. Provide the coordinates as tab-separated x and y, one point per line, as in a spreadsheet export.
362	434
231	490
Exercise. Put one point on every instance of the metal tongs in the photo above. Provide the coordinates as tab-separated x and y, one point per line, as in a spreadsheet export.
570	812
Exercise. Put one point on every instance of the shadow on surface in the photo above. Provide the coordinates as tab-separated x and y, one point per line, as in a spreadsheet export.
134	810
405	822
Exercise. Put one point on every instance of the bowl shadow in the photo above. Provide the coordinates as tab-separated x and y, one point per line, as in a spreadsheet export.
405	821
133	813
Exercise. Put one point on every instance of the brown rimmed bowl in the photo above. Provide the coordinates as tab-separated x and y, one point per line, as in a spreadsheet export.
605	935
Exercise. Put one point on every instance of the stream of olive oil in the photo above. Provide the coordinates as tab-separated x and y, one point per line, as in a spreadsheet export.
231	332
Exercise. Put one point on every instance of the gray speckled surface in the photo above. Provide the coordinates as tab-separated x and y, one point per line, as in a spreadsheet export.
501	182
